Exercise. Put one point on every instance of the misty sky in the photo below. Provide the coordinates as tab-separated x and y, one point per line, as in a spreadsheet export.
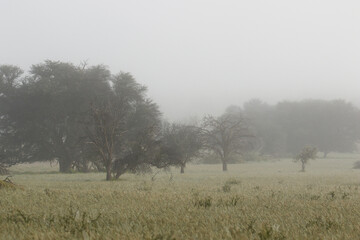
195	56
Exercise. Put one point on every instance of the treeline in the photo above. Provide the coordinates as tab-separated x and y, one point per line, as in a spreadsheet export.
285	128
86	118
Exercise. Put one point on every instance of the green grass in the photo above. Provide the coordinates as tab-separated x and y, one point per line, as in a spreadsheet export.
262	200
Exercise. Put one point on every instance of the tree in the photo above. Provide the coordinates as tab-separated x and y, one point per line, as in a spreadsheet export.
123	127
263	118
185	140
58	109
46	112
106	129
142	144
329	125
226	135
10	79
305	155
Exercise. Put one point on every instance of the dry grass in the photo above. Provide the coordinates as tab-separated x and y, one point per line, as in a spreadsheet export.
266	200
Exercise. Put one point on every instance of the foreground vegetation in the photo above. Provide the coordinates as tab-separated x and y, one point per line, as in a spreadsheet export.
265	200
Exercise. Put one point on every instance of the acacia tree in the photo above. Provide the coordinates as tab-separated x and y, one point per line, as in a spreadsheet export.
305	155
106	128
141	148
226	135
185	140
123	128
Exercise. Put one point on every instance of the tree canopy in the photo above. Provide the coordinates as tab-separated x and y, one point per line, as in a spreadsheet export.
331	126
85	117
67	113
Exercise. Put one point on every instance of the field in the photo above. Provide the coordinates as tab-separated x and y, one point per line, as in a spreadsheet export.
262	200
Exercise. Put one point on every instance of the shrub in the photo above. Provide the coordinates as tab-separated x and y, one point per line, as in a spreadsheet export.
356	165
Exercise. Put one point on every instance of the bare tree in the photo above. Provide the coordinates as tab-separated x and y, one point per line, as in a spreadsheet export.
123	127
185	140
106	129
226	135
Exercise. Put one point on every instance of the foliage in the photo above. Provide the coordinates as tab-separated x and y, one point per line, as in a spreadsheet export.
80	116
305	155
329	125
44	114
263	117
284	128
10	78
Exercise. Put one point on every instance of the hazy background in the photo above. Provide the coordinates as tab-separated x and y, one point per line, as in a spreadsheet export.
197	56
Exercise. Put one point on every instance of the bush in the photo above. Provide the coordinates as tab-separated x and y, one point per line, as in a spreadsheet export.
356	165
8	184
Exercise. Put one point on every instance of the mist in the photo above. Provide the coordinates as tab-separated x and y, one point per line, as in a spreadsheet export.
197	57
182	119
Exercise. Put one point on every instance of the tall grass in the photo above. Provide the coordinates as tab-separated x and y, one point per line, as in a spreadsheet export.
266	200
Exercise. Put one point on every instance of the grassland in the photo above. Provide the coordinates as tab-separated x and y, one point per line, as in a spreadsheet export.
265	200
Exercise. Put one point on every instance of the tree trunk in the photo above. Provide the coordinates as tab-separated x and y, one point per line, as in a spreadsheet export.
65	165
303	166
182	168
120	172
224	166
108	173
108	165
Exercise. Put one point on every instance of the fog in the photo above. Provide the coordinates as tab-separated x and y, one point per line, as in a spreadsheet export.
197	57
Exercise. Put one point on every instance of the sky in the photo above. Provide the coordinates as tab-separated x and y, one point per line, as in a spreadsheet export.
197	56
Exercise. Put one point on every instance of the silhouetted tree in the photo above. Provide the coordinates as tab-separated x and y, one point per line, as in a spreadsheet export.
226	135
123	128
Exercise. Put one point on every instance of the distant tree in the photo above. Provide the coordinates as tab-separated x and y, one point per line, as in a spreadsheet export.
263	118
305	155
226	135
329	125
185	140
